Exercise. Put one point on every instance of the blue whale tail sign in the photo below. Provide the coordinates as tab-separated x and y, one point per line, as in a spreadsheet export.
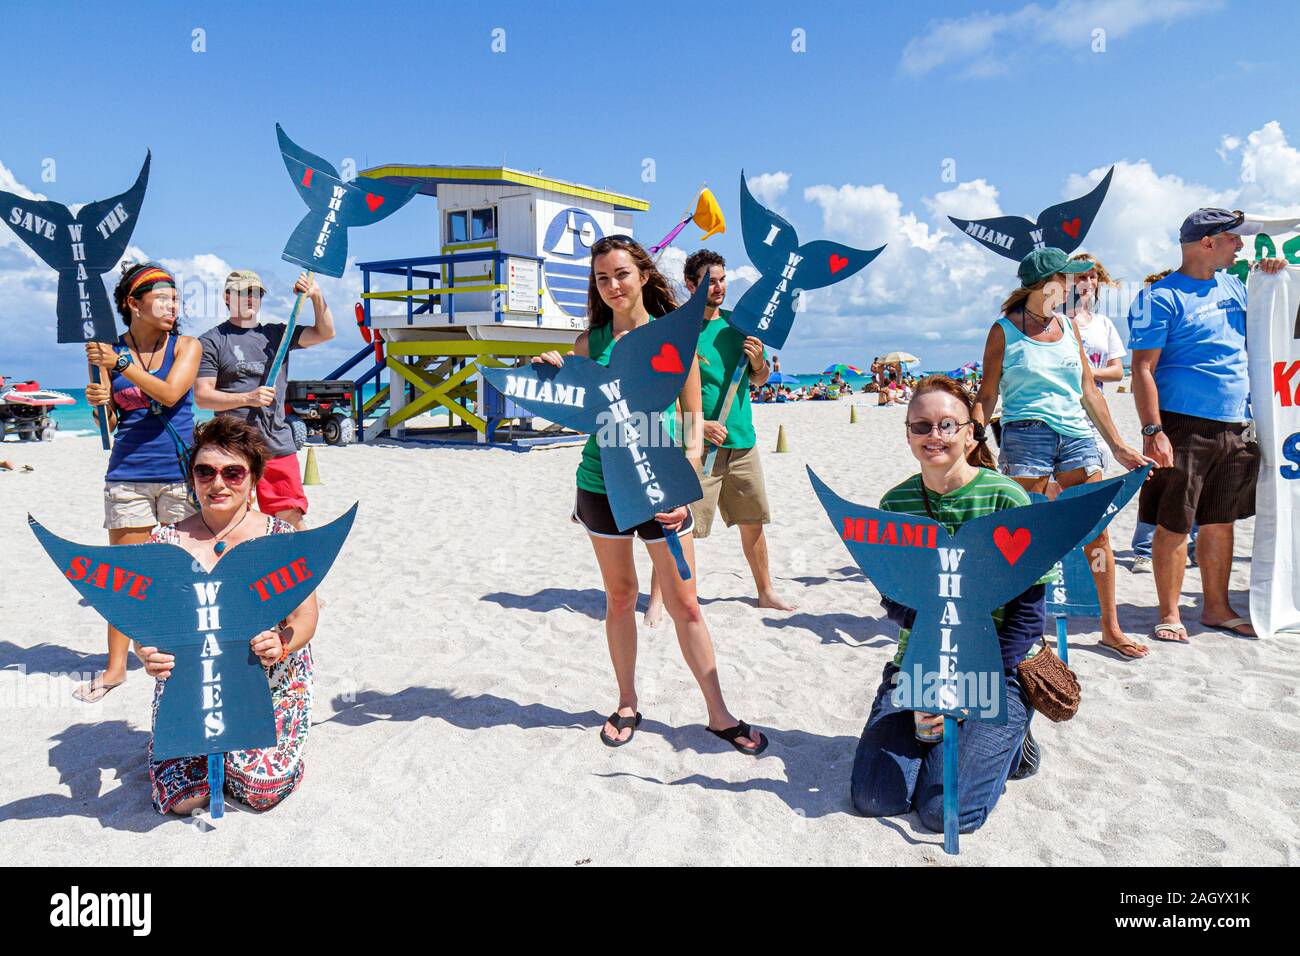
320	241
81	247
217	698
787	269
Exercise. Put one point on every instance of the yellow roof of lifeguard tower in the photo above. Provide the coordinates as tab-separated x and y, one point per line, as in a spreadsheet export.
428	178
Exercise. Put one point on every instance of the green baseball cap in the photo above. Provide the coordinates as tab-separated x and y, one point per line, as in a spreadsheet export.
241	280
1042	263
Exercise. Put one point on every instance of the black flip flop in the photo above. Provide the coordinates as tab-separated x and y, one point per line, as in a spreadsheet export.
620	723
741	729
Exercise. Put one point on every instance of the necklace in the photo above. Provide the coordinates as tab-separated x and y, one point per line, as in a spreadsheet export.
220	546
1044	321
140	355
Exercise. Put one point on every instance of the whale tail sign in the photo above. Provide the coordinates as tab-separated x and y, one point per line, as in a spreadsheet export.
1062	226
320	242
217	698
953	661
81	247
766	310
621	405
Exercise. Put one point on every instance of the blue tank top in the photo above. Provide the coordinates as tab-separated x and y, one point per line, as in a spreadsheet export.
143	448
1043	381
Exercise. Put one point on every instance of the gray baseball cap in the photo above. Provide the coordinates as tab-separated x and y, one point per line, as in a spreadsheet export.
1208	221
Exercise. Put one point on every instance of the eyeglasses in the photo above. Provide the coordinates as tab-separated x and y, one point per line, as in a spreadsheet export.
946	428
230	474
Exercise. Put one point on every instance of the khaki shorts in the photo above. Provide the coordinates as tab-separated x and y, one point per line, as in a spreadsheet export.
143	504
734	486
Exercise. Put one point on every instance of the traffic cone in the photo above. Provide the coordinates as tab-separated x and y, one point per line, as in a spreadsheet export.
781	445
310	475
853	414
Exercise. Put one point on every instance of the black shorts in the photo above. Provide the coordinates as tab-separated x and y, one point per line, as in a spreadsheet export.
1213	478
591	510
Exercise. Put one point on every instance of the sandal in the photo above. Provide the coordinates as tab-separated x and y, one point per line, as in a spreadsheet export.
741	729
1230	627
96	690
1171	629
1119	650
620	724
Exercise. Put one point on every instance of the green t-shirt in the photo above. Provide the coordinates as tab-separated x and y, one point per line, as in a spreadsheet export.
600	343
719	349
984	494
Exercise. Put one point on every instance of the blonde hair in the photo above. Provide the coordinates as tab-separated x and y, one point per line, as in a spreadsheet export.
1156	277
1016	300
1103	277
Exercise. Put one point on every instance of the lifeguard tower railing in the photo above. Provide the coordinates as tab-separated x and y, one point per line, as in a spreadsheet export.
426	372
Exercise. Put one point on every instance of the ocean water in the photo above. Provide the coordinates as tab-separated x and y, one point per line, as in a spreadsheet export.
76	419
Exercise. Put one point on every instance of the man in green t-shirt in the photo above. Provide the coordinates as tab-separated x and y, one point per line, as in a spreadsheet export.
734	484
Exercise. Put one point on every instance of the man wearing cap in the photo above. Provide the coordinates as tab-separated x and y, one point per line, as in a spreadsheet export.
236	357
1187	334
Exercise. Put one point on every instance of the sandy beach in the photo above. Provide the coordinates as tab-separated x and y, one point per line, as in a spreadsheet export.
462	675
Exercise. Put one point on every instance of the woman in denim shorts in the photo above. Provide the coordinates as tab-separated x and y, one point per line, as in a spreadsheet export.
149	403
1034	360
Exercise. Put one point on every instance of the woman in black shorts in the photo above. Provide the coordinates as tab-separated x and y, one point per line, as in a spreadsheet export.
625	291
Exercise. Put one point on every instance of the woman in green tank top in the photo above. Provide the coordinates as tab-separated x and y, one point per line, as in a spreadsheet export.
625	291
1034	361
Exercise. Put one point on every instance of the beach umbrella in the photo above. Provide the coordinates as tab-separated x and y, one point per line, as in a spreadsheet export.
843	370
782	378
900	358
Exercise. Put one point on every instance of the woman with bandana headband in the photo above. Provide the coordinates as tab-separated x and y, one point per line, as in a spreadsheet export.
149	402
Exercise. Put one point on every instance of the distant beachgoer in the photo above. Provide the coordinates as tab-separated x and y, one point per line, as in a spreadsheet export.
227	460
7	465
625	291
1034	359
237	355
149	403
893	772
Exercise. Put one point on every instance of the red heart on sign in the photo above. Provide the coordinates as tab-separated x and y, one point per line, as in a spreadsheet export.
306	177
373	201
667	360
1012	545
838	262
1072	227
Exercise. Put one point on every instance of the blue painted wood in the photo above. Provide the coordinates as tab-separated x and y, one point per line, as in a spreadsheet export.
217	785
675	547
1062	645
737	375
285	342
950	792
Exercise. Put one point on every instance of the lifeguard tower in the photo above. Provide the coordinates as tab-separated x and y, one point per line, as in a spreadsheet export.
510	281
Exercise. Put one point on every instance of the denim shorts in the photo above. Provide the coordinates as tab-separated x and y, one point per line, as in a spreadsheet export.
1033	449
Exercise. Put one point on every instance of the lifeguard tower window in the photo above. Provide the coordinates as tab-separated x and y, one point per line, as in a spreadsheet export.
471	225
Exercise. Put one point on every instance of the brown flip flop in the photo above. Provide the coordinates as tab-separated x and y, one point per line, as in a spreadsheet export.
96	690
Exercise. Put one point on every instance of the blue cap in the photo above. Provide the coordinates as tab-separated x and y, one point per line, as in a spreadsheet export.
1209	221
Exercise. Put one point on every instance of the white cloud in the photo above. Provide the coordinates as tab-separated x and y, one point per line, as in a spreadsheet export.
971	200
982	41
768	188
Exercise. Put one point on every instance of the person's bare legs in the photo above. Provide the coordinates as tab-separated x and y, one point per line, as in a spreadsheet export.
683	606
1168	563
654	612
1101	561
1214	558
119	645
618	571
754	543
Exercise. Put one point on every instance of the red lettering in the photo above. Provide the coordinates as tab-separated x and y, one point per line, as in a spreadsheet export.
139	586
914	535
260	588
889	535
101	577
120	577
77	569
302	572
931	540
873	531
1282	376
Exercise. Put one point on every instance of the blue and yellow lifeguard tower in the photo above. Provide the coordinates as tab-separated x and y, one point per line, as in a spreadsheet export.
509	281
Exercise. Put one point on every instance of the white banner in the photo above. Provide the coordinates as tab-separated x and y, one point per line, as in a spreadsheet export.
1273	341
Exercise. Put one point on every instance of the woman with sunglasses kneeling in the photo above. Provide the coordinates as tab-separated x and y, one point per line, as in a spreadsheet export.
226	462
897	767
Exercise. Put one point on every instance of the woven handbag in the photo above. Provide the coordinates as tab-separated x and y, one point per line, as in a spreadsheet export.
1050	685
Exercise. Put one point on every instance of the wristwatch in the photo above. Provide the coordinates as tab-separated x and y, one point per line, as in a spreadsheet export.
1149	430
123	360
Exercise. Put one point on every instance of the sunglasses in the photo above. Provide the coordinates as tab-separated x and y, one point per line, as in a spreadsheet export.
946	428
230	474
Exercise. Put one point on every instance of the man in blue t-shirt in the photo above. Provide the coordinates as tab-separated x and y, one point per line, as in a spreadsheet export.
1187	334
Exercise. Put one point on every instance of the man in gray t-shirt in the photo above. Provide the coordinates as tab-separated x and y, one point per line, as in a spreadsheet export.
236	357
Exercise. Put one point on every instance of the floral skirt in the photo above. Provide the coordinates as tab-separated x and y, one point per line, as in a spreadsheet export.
257	778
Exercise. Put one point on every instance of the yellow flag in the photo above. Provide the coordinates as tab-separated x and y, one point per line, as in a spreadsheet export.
708	215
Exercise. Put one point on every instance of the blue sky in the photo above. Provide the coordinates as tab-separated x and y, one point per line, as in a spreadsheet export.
852	133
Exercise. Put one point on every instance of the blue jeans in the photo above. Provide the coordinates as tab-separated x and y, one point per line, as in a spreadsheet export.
1144	533
894	773
1033	449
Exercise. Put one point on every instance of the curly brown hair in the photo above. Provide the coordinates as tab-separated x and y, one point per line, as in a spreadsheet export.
980	456
657	294
234	436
